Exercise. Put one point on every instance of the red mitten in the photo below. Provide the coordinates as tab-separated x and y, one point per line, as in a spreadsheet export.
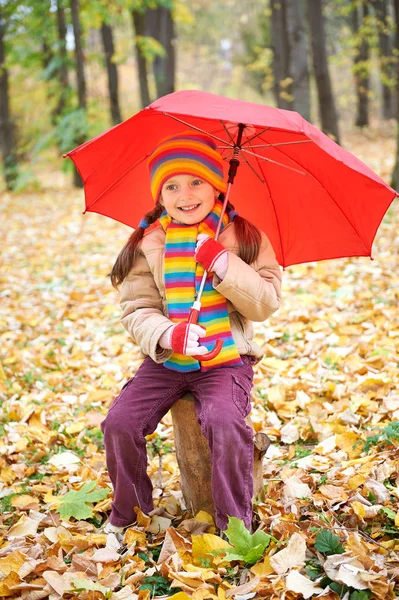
184	339
208	252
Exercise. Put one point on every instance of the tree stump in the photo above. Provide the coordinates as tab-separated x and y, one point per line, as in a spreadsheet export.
193	457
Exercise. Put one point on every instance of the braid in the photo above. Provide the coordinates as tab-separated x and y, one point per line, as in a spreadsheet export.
130	251
249	237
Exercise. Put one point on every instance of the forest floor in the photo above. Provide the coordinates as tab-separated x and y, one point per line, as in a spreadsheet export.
326	393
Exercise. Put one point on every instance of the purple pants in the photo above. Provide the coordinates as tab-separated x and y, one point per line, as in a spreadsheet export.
222	401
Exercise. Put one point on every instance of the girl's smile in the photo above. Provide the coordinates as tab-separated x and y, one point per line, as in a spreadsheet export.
187	198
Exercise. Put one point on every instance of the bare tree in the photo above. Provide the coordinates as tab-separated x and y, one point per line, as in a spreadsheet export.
360	68
160	26
112	72
290	55
80	74
327	110
395	173
62	71
7	138
386	57
139	24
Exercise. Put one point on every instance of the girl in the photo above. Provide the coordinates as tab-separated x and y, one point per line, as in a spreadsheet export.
160	273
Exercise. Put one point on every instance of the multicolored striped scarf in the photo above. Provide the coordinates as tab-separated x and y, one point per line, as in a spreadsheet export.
182	281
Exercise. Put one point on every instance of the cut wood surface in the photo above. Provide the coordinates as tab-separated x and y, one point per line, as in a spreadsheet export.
193	457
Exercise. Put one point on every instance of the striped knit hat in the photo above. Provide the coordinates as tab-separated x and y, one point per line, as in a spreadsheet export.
189	152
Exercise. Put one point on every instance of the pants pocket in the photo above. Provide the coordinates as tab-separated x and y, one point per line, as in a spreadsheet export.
242	394
121	393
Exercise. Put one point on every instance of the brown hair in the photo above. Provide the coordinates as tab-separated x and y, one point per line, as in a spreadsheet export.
248	238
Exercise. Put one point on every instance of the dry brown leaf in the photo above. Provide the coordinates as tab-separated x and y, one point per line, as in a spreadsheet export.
295	582
290	557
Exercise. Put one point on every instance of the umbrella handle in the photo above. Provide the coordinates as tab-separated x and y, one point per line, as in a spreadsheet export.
192	319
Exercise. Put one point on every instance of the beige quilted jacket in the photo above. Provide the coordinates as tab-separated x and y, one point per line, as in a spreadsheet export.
253	293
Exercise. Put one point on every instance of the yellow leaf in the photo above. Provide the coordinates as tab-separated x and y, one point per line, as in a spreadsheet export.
397	519
263	568
204	517
12	562
7	584
359	509
25	526
52	500
203	544
356	481
25	502
221	593
134	535
75	427
142	519
203	595
349	443
180	596
7	475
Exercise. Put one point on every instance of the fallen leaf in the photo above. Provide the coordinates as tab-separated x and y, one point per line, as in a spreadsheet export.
291	556
300	584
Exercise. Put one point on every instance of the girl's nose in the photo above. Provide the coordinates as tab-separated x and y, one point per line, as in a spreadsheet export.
186	191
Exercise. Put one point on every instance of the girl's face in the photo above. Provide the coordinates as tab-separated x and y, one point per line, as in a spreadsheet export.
188	198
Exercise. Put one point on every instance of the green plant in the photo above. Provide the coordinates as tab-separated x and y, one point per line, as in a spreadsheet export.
157	585
327	543
388	435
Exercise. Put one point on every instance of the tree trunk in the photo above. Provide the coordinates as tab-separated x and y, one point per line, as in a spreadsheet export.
112	72
290	56
140	30
7	140
62	72
80	74
360	67
386	57
79	58
395	173
160	26
193	457
327	111
298	55
282	83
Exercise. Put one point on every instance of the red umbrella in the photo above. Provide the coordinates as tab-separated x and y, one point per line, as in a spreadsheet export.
313	199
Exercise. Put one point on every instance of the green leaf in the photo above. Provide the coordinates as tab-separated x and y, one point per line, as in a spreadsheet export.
388	512
328	543
85	584
238	535
246	547
360	595
340	588
76	503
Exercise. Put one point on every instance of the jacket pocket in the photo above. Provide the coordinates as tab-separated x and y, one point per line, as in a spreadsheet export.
242	394
239	333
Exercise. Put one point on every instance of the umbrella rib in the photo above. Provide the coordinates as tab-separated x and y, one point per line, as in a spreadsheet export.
249	140
273	161
327	192
212	135
116	181
281	144
274	209
228	132
253	169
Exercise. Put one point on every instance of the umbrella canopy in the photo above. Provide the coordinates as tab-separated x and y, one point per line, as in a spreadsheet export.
313	199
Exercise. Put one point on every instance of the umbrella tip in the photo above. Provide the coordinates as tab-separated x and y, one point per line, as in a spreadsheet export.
64	155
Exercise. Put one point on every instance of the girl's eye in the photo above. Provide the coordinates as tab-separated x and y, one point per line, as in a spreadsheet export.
170	187
197	182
